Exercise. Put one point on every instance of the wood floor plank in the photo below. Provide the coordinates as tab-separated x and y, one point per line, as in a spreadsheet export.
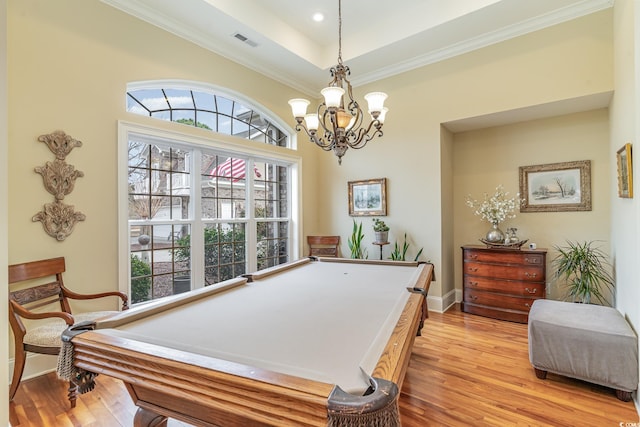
465	370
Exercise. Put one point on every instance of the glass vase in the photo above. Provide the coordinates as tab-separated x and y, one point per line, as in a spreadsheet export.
495	235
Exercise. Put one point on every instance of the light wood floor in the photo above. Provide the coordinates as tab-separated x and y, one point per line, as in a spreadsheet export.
465	370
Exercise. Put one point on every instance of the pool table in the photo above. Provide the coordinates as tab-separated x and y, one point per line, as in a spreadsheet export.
317	341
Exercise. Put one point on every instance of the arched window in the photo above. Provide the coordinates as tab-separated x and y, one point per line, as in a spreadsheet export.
200	211
204	108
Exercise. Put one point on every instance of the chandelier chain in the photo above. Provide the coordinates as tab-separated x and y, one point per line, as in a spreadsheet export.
340	32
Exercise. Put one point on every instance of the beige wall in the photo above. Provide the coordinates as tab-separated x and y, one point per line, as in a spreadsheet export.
625	119
490	157
566	61
4	175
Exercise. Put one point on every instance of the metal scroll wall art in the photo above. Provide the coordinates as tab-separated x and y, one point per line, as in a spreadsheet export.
58	219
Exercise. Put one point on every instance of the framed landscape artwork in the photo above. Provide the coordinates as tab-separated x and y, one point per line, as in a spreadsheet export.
625	177
556	187
368	198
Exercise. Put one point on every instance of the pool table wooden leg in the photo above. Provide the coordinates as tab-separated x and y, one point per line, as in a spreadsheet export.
147	418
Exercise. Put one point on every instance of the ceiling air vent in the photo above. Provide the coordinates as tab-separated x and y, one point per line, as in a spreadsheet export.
245	39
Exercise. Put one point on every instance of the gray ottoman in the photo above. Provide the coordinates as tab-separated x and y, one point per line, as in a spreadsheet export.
584	341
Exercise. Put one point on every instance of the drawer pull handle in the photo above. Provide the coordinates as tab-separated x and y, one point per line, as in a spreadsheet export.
531	260
473	283
526	304
473	269
533	275
473	256
531	291
473	297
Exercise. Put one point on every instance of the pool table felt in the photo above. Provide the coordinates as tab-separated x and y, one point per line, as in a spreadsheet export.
323	321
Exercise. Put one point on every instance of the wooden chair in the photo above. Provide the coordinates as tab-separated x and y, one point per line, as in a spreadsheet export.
323	245
43	335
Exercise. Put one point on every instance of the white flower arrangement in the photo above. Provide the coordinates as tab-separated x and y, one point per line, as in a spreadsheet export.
496	208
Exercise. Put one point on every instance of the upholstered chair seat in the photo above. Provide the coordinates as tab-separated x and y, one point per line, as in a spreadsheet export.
47	333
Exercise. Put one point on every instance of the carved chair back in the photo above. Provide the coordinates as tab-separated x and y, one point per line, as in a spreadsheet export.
327	246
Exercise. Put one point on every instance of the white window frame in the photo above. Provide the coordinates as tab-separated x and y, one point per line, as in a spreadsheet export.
227	144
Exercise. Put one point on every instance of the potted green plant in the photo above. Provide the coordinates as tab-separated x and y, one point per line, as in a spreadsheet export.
355	242
584	271
401	254
382	231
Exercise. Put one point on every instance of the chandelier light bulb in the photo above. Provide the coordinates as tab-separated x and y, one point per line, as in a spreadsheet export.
375	100
299	107
332	96
311	121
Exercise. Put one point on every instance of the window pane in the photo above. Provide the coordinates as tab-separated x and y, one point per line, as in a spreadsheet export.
162	115
179	98
224	125
151	99
271	192
160	182
225	247
224	106
240	129
242	112
140	277
207	120
272	243
138	154
258	122
187	117
204	101
139	207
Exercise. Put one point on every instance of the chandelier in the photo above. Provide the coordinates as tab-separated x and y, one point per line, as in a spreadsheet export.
338	123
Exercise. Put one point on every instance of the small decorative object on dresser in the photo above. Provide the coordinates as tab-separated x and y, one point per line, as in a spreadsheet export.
502	283
495	209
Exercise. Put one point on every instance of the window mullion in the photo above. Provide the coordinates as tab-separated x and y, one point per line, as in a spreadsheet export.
251	233
197	230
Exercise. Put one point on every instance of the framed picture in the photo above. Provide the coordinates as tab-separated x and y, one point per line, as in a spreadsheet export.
368	198
625	172
556	187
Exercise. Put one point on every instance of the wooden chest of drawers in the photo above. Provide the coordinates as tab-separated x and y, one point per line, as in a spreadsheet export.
502	283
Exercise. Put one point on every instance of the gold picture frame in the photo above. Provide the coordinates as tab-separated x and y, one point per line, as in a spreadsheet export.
556	187
368	197
625	172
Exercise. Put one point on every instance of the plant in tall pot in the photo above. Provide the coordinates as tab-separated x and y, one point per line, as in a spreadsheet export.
584	271
381	230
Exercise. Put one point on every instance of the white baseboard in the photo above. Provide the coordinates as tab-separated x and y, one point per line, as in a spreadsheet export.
444	303
36	365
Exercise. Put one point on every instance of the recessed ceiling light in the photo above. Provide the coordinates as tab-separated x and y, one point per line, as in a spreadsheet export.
318	17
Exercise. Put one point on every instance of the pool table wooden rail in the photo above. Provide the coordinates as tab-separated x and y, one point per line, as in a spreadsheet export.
198	389
207	391
394	360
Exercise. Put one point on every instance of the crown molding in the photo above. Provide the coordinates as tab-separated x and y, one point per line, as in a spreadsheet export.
531	25
305	81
